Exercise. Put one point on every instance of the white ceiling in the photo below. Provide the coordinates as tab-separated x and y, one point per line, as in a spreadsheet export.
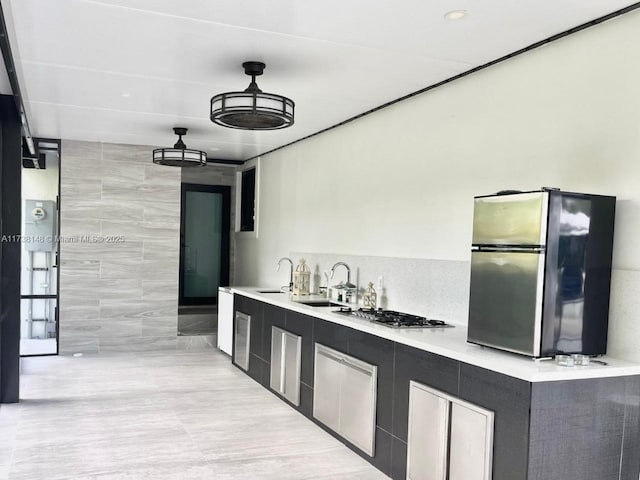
128	71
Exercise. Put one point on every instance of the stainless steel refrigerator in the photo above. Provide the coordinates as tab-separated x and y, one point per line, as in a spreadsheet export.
541	272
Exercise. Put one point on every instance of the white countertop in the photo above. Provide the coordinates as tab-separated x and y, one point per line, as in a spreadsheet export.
451	342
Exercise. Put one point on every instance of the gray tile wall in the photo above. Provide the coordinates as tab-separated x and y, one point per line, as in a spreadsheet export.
118	296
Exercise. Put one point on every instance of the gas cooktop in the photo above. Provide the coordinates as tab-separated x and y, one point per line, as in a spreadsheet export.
393	319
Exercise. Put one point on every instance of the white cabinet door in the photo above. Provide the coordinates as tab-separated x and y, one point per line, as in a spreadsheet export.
358	403
428	431
326	388
225	321
471	442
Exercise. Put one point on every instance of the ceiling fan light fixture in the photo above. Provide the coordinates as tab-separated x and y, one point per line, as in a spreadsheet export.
252	109
179	155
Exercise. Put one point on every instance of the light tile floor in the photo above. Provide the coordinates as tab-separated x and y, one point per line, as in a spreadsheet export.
160	416
197	323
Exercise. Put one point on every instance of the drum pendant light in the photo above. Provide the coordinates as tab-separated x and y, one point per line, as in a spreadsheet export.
179	155
252	109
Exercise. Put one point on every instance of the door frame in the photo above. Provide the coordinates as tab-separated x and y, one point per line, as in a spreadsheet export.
225	252
44	145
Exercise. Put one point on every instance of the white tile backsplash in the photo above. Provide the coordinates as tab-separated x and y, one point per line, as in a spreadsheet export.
440	289
432	288
624	311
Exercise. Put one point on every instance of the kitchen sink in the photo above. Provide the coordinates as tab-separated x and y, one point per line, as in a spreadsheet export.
321	304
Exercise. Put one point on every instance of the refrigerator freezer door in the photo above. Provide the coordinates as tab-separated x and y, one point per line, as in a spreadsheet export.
518	219
505	303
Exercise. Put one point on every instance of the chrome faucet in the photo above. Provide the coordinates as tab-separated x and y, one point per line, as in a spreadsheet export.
349	288
333	270
290	272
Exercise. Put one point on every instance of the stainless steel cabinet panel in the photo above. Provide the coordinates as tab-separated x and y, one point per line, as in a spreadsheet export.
519	219
427	440
344	396
358	403
326	388
242	339
449	439
291	377
471	443
285	364
277	351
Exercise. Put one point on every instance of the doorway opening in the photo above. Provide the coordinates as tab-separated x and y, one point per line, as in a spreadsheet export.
204	255
39	250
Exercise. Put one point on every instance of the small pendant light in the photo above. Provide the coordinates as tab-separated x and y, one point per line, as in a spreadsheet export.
179	155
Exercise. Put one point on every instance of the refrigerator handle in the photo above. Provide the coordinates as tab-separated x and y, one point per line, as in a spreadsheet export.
509	248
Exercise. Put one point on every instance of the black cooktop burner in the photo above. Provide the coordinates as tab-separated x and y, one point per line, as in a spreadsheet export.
395	319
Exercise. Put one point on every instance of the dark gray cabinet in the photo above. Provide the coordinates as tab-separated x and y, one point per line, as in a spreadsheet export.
302	325
271	317
531	422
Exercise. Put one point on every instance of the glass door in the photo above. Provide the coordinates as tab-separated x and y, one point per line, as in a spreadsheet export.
204	243
39	277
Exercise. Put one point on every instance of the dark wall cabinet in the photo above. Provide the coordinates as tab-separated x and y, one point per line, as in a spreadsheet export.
567	430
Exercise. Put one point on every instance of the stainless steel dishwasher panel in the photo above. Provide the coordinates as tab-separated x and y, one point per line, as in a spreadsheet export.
326	387
428	434
471	443
291	374
358	403
242	336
